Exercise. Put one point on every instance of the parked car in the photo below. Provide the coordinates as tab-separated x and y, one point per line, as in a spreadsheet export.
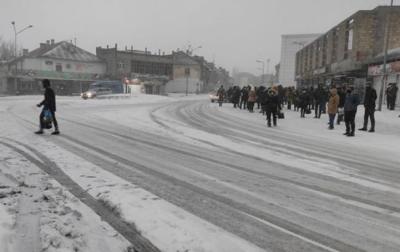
213	96
96	92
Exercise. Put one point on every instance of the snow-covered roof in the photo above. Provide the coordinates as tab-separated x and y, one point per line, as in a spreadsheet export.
63	50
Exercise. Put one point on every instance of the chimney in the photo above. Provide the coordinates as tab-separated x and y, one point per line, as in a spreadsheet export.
43	46
159	51
48	42
116	46
52	41
108	47
126	48
25	52
131	48
145	50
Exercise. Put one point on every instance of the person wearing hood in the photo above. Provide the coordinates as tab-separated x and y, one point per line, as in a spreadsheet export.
272	105
369	105
351	103
333	104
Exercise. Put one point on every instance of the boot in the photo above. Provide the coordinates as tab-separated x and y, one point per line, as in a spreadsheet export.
363	129
39	132
371	130
56	132
351	134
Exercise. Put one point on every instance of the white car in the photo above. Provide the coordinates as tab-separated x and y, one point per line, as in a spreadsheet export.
93	93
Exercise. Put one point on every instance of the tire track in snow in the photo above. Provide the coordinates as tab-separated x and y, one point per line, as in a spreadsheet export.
139	243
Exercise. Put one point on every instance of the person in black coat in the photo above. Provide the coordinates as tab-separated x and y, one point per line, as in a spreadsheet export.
304	101
351	103
272	105
49	104
369	105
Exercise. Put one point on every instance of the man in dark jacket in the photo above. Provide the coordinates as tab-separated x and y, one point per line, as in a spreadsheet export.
272	105
342	96
369	105
350	110
244	97
304	100
318	96
49	104
392	96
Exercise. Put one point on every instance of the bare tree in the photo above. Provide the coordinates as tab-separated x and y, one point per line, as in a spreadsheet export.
6	50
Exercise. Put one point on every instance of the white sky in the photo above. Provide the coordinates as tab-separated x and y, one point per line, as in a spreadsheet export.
234	32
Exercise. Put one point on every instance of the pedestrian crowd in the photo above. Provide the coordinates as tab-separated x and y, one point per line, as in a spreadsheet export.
339	103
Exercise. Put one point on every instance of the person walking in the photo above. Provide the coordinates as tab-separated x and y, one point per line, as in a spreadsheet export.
333	105
49	106
252	99
221	95
350	111
369	105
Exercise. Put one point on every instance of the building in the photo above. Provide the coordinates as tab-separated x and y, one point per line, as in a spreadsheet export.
69	68
376	73
343	54
162	73
290	45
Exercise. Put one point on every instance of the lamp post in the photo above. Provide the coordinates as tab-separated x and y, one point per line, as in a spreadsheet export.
190	51
15	47
385	56
263	70
270	79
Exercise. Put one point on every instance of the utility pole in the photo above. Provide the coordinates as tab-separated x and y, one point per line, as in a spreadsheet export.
263	70
269	76
385	56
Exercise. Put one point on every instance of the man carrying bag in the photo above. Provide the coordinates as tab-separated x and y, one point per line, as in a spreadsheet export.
49	109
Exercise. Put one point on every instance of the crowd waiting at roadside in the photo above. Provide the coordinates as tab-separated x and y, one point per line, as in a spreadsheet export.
340	103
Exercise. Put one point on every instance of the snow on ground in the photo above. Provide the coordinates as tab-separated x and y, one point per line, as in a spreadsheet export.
68	224
167	226
38	214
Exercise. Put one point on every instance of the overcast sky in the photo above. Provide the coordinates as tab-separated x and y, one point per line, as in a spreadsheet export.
233	32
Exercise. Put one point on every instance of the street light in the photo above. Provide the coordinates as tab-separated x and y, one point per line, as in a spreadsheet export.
15	47
16	34
263	70
190	51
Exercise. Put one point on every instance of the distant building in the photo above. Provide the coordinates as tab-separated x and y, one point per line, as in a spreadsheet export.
69	68
290	45
343	54
162	73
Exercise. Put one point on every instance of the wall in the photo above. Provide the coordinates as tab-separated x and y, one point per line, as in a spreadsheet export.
288	56
75	67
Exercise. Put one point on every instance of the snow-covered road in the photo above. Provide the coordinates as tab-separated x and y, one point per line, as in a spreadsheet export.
192	176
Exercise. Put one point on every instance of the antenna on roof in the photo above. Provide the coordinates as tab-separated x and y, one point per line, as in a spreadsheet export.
75	41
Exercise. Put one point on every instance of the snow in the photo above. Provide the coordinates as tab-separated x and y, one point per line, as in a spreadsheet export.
64	223
167	226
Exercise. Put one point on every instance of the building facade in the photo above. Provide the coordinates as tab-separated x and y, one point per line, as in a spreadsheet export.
342	54
162	73
69	68
290	45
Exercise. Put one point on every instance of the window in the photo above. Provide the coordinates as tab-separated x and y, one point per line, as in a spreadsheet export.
68	66
49	62
58	67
